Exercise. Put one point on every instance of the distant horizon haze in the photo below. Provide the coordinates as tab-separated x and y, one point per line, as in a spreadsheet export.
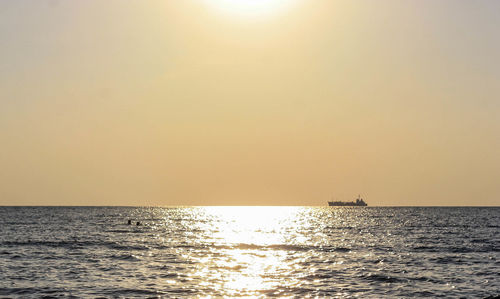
243	205
275	102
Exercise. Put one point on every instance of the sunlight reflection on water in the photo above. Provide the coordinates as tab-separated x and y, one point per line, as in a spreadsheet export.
252	225
245	265
249	251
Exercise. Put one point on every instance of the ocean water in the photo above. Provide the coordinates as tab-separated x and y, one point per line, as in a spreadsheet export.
295	252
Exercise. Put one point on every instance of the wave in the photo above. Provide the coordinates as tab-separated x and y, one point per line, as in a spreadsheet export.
31	290
284	247
455	249
383	278
130	292
73	244
125	257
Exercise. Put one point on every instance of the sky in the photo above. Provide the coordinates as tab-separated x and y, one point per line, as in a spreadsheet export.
231	102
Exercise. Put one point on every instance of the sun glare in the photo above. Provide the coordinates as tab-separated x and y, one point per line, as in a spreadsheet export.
246	243
250	8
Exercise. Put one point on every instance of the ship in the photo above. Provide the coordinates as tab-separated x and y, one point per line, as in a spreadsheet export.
358	203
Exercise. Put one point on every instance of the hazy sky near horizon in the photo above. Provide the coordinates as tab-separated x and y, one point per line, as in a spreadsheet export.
204	102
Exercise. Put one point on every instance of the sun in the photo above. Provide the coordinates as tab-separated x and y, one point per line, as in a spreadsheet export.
249	8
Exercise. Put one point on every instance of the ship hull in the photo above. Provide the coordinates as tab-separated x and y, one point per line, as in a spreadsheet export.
345	204
358	203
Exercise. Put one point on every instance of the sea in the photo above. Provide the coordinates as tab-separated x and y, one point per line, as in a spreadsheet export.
214	252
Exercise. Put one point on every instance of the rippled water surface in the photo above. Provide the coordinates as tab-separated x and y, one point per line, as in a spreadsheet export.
249	251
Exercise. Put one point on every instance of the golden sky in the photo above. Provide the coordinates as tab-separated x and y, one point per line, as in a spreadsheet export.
234	102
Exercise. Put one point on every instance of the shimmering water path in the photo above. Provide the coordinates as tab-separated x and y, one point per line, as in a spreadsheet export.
249	251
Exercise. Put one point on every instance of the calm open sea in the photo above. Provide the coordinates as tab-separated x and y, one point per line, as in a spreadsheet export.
249	251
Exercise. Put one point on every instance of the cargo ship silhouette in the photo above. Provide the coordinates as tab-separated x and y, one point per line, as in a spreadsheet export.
358	203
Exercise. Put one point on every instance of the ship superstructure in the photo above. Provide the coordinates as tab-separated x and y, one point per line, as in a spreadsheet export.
358	203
